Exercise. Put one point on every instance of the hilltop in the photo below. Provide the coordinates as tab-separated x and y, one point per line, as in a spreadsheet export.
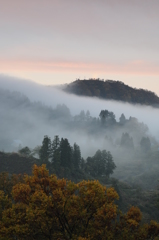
114	90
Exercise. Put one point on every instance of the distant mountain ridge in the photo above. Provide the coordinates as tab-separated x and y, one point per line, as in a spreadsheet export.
112	90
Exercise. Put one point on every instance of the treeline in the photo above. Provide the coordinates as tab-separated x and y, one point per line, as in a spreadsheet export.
20	102
133	133
99	166
43	207
65	160
114	90
14	123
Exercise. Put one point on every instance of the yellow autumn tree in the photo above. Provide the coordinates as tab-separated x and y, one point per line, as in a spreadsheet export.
44	207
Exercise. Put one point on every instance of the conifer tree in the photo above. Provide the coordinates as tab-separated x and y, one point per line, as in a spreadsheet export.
55	151
66	153
76	156
45	151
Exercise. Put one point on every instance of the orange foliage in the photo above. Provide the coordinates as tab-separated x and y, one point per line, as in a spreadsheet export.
44	207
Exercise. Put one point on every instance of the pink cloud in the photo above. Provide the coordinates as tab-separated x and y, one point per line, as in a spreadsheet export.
138	67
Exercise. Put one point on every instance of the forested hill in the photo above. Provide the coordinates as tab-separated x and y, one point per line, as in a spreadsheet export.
110	89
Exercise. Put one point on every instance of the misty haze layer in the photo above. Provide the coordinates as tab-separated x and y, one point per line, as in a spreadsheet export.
52	96
29	111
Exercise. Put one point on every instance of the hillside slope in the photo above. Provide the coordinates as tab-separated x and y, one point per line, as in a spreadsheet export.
114	90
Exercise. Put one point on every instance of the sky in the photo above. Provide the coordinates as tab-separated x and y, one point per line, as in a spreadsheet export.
58	41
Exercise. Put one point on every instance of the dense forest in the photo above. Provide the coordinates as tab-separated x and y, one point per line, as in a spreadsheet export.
120	153
114	90
41	206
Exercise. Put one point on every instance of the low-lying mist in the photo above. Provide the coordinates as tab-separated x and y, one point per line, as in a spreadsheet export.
29	111
51	96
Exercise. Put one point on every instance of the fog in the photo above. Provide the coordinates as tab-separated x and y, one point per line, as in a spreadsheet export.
29	111
52	96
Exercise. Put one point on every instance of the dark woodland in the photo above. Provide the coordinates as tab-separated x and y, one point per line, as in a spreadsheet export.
112	90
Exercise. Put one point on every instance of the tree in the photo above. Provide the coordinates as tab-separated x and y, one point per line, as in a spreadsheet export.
122	119
107	118
65	153
103	116
43	207
82	116
111	118
55	149
62	112
25	151
109	164
88	115
82	164
36	151
127	141
98	163
145	144
76	156
45	151
47	208
101	164
7	181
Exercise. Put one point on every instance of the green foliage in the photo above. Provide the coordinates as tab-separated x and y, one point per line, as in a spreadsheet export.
101	164
55	152
15	163
66	153
25	151
107	118
65	159
76	155
45	151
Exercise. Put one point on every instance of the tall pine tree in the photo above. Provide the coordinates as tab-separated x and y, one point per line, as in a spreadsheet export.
56	152
66	153
76	156
45	150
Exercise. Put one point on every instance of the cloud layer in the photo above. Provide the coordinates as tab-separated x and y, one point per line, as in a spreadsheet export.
105	38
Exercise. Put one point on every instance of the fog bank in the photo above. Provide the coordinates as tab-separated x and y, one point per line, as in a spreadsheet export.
52	96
